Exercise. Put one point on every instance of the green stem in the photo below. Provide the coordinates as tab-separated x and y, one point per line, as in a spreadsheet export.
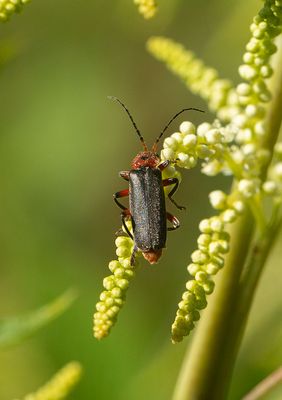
260	250
257	211
207	368
200	377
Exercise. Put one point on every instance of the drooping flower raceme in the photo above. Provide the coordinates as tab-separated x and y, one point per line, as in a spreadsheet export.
116	285
59	385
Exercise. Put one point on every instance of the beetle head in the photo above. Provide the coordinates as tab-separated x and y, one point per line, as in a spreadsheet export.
145	159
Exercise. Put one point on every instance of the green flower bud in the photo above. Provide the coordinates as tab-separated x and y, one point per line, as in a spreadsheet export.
204	239
244	89
238	206
208	287
212	268
216	224
247	72
109	282
201	276
199	257
113	265
229	215
193	268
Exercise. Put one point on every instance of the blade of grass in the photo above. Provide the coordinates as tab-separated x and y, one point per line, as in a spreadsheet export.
14	330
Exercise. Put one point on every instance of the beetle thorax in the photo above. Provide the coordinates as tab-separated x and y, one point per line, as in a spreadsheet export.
145	159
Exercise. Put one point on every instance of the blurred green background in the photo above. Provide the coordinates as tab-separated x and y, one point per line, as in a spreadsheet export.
62	145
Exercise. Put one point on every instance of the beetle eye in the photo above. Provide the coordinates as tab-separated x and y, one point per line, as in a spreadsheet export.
144	158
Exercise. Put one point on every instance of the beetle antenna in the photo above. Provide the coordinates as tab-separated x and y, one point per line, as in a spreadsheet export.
167	125
132	120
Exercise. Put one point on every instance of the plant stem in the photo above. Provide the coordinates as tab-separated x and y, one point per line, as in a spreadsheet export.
200	377
208	366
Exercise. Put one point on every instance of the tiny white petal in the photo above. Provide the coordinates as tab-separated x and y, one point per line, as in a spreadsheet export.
277	170
216	224
203	128
278	149
187	127
270	187
190	141
249	149
167	154
204	226
239	206
240	120
218	199
170	142
229	215
178	137
244	89
247	72
247	187
213	136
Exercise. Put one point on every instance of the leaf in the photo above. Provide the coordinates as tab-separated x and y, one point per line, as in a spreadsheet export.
13	330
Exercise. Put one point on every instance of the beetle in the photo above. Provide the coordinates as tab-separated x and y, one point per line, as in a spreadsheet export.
147	207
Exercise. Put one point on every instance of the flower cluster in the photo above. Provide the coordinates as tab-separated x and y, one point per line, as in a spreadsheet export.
147	8
9	7
200	79
253	94
60	385
208	142
116	285
207	260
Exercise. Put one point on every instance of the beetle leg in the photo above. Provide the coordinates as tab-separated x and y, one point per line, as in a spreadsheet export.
121	193
120	233
166	163
163	165
175	182
124	175
133	258
174	221
124	216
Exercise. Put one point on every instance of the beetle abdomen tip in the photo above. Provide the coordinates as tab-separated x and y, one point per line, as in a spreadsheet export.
152	256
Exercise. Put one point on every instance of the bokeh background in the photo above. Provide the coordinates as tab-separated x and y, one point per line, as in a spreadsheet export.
62	144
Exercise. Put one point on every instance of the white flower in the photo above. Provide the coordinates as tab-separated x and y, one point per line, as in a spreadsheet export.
247	187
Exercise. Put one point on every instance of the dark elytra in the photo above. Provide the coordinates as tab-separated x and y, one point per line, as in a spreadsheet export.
147	208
